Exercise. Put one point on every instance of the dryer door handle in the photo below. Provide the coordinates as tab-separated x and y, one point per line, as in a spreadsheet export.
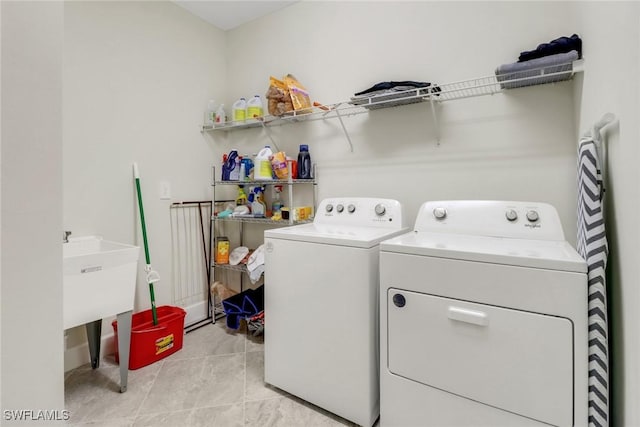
468	316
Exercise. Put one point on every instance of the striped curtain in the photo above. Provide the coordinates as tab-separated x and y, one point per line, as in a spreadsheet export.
592	245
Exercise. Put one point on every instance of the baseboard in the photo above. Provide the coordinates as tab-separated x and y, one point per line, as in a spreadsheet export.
196	312
77	356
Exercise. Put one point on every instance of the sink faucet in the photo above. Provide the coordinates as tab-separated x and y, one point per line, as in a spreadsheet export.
65	238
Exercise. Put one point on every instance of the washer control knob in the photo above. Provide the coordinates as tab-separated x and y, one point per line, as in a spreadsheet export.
351	208
339	208
532	216
440	213
329	207
511	215
399	300
380	209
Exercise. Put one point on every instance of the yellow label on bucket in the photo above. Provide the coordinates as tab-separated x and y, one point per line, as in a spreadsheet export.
164	344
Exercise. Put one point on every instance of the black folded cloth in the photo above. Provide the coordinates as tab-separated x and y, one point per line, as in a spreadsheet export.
559	45
406	85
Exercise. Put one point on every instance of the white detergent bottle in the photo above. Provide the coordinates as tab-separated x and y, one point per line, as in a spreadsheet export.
240	110
221	116
254	107
262	168
210	113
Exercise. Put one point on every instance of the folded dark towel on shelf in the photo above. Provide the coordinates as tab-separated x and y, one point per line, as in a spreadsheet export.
536	71
559	45
382	86
389	94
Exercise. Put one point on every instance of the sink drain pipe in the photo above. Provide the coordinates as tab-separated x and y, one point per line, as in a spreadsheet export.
152	275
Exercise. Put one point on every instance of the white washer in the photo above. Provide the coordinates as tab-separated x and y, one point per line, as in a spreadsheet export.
321	305
483	319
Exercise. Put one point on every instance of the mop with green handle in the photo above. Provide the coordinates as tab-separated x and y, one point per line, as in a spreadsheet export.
152	276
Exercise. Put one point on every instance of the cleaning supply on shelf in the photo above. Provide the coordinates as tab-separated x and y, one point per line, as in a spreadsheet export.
210	115
222	250
243	169
248	168
242	196
292	166
262	170
279	165
258	206
234	175
231	166
276	204
254	108
224	176
304	162
220	117
240	110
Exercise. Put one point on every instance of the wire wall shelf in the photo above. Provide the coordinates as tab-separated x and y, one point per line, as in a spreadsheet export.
240	267
266	221
434	94
269	182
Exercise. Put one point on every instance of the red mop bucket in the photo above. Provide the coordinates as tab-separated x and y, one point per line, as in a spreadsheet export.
151	343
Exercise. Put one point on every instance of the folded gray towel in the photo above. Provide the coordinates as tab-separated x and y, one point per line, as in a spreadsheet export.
536	71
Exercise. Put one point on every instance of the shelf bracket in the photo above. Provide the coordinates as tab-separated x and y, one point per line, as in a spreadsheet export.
268	132
344	129
435	116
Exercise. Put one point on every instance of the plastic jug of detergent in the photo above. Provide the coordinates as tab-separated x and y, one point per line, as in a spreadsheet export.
248	167
254	107
239	110
262	170
231	166
304	162
220	116
211	113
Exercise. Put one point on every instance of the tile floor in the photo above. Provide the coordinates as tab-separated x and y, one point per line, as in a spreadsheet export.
216	379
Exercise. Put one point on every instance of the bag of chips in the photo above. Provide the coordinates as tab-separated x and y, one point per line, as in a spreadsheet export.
299	95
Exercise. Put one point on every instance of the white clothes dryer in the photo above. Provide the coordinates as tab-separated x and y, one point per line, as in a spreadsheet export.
321	305
483	319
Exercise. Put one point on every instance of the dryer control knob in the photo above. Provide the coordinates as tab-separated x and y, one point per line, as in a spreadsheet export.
511	215
532	216
399	300
329	208
351	208
380	209
440	213
339	208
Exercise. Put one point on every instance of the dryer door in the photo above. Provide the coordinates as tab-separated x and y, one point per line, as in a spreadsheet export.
518	361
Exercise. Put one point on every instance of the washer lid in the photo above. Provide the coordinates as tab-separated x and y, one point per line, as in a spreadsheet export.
547	254
357	237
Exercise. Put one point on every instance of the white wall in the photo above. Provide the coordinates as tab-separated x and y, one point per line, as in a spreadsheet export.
611	34
31	371
518	145
137	77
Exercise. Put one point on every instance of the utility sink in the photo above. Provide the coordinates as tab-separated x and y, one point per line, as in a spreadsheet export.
99	279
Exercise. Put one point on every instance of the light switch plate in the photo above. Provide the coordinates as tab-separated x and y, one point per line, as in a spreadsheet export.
164	189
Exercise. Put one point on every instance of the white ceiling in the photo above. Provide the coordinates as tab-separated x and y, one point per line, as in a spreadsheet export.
227	15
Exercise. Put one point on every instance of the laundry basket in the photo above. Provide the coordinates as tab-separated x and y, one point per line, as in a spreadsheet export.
245	305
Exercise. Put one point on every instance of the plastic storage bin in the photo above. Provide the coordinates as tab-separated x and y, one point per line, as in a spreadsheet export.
151	343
